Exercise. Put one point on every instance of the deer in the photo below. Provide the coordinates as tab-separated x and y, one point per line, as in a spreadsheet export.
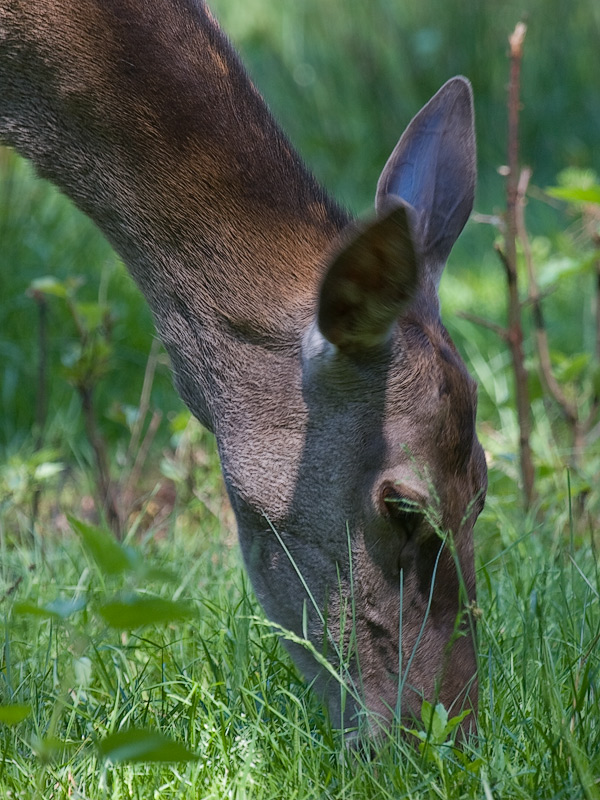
310	343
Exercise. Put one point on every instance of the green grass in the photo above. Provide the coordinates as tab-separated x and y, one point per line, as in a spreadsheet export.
214	678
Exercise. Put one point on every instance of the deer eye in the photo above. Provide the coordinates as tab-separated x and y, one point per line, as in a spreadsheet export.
400	509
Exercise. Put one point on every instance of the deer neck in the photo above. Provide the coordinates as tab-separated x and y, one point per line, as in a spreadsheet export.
153	128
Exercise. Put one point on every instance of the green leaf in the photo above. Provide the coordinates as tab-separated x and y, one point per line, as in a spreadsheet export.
137	745
50	748
179	422
575	194
470	765
48	285
137	610
109	555
555	269
64	608
434	720
84	365
414	732
60	608
572	368
92	315
82	670
48	470
436	723
454	723
32	610
13	714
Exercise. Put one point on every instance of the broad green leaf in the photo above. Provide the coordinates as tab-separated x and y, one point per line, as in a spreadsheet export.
66	607
575	194
86	364
434	721
82	669
470	765
136	745
48	470
453	723
48	285
556	269
92	314
61	608
135	611
32	610
577	177
109	555
414	732
179	422
571	368
13	714
49	748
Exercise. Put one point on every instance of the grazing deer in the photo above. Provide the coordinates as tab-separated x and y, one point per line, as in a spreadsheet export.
309	344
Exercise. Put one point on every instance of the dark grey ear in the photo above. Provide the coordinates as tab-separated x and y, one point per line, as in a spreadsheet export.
433	167
368	283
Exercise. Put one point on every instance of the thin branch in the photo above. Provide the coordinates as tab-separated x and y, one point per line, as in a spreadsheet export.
593	433
549	381
143	451
509	259
503	258
144	398
494	220
542	295
499	330
106	487
597	308
41	400
589	422
41	406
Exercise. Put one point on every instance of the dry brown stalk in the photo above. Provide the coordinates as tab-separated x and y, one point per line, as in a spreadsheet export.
508	256
549	382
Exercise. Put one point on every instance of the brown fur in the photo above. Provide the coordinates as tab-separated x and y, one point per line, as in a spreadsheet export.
317	359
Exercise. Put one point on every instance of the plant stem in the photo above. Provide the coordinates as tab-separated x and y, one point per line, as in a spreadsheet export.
41	400
509	259
105	484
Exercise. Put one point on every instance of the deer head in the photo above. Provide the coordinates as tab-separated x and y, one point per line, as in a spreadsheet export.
311	345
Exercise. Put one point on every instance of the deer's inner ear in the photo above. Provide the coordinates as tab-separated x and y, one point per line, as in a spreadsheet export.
371	279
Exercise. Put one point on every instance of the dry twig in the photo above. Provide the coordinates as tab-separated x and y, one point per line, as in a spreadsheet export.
508	256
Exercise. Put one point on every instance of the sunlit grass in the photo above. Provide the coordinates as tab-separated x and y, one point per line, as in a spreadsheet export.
220	684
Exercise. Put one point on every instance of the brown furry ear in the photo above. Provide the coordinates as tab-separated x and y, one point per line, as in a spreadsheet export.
368	284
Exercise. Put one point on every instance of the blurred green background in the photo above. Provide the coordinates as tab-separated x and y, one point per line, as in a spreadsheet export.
344	78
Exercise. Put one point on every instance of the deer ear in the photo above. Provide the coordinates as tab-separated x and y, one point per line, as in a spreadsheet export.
368	283
433	167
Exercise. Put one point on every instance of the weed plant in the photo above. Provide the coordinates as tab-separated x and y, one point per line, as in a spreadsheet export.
117	656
